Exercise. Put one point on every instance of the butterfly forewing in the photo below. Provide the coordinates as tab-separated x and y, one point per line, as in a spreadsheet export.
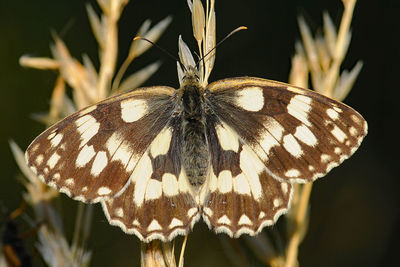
91	154
298	134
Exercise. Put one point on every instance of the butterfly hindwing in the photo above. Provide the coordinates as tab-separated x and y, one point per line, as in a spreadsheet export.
91	154
159	202
298	134
242	197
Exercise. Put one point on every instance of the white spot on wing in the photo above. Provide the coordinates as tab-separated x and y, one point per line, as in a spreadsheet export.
241	185
84	156
140	177
244	220
153	190
170	185
154	226
277	202
99	163
274	128
56	140
325	158
292	146
192	211
184	186
39	159
52	161
252	167
250	98
285	188
161	143
56	176
123	153
299	107
87	126
70	182
51	135
175	223
292	173
213	183
304	134
224	220
227	138
119	212
267	142
337	109
133	109
113	142
353	131
332	114
225	181
103	191
338	134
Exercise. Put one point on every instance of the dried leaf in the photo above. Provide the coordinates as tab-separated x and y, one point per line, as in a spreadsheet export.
136	79
42	63
95	23
330	33
138	47
309	46
184	54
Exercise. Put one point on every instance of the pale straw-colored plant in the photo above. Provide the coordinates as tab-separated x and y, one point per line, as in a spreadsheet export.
88	85
319	60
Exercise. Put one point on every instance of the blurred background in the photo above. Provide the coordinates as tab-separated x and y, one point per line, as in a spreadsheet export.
355	213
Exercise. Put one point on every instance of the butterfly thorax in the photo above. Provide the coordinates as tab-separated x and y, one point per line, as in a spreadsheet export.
195	149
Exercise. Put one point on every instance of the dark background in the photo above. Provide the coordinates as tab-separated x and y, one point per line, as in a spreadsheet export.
354	210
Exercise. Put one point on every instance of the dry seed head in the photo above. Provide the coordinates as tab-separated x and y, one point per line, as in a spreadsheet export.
299	71
136	79
95	24
209	44
330	33
198	20
138	47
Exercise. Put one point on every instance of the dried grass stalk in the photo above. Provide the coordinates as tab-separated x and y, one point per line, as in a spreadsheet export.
322	58
89	85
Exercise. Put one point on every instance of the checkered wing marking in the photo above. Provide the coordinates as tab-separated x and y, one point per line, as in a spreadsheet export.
242	197
298	134
91	154
158	203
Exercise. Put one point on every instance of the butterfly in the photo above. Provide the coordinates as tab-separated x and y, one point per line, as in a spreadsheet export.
159	159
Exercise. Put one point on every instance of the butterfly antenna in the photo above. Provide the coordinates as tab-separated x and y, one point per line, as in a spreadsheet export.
220	42
159	47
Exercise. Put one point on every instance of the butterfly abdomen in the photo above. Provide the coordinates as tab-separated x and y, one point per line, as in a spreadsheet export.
195	149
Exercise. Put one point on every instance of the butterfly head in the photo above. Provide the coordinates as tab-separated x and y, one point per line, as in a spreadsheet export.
191	75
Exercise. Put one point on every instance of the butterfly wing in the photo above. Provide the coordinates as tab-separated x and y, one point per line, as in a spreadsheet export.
158	203
241	196
298	134
91	154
